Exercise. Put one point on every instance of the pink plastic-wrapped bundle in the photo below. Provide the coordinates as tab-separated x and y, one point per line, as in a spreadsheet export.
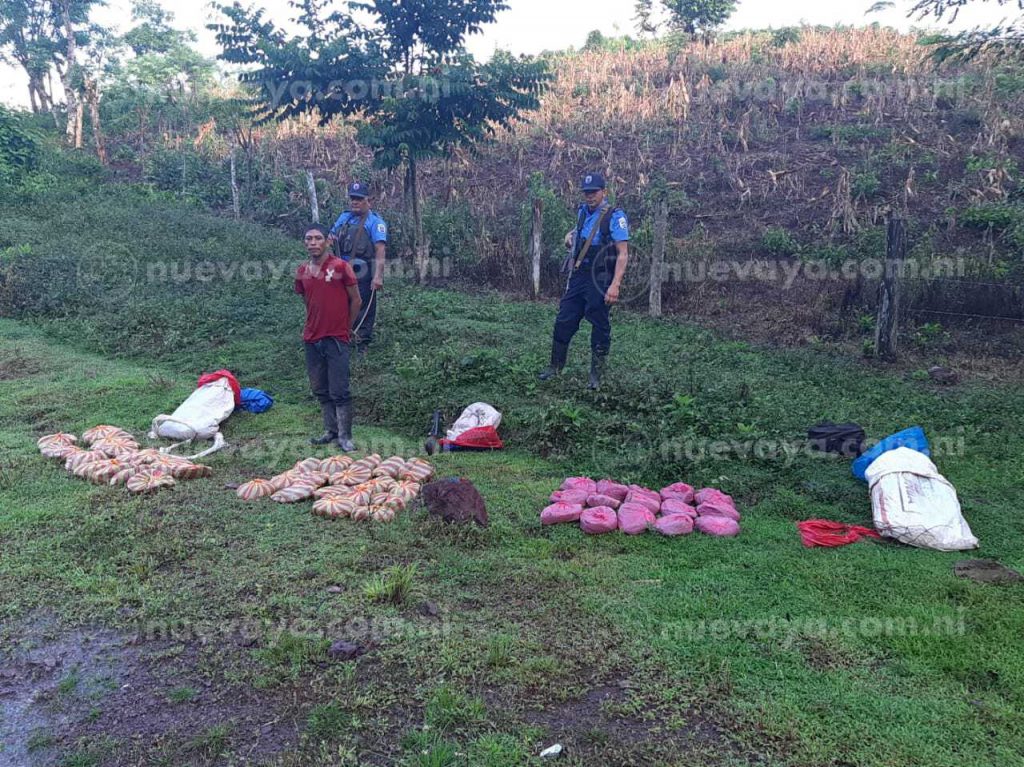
718	509
679	491
634	518
674	506
613	489
710	494
596	499
720	527
570	496
599	521
674	524
639	489
557	513
579	483
651	503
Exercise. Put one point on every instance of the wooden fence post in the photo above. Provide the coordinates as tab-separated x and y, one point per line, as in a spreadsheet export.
887	323
536	242
235	199
314	203
658	258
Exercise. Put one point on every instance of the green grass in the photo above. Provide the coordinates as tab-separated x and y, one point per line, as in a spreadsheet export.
873	654
394	585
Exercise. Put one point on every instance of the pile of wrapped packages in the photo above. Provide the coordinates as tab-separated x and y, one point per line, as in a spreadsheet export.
372	488
109	455
605	506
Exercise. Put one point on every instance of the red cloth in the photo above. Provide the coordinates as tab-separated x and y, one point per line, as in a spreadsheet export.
324	289
479	438
823	532
206	378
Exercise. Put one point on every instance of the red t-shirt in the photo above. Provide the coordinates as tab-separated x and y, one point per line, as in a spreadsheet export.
324	288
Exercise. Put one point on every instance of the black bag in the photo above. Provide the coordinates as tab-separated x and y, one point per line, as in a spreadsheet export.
846	439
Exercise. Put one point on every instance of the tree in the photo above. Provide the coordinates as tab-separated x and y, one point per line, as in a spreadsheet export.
1004	41
163	58
694	17
398	68
30	39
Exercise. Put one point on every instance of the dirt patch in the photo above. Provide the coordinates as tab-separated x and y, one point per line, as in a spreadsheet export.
821	657
986	571
60	688
14	365
607	726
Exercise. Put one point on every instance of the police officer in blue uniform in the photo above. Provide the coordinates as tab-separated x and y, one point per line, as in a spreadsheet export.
360	237
600	252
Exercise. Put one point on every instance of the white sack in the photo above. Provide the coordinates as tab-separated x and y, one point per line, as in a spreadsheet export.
477	414
198	417
916	505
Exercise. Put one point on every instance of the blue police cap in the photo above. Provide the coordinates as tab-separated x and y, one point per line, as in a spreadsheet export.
358	189
592	182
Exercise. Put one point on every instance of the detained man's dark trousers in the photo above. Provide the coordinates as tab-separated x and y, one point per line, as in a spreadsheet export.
368	314
585	299
327	367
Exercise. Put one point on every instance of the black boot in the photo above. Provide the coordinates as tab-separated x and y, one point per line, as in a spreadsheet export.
559	353
345	429
330	427
597	361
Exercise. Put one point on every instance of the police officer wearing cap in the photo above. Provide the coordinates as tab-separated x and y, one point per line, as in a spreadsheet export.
600	252
360	237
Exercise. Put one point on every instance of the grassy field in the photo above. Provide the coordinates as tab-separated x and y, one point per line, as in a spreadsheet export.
190	628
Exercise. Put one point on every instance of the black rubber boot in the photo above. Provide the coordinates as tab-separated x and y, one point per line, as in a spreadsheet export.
597	362
330	427
559	353
345	429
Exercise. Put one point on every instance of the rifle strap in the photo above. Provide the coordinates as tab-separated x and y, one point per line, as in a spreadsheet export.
606	209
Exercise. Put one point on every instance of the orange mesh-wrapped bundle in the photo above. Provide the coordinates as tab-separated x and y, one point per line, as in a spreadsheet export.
406	489
353	475
379	499
60	450
103	432
315	478
293	494
282	480
418	470
60	437
148	480
360	513
191	471
307	464
85	469
383	483
397	502
255	488
383	514
334	464
392	467
124	475
371	462
333	508
333	491
57	445
102	472
145	457
361	497
73	461
115	446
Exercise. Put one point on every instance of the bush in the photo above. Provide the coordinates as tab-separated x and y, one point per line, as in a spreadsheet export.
866	185
995	215
779	243
19	146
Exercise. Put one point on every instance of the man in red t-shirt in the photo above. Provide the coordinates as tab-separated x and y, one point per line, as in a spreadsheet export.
331	292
